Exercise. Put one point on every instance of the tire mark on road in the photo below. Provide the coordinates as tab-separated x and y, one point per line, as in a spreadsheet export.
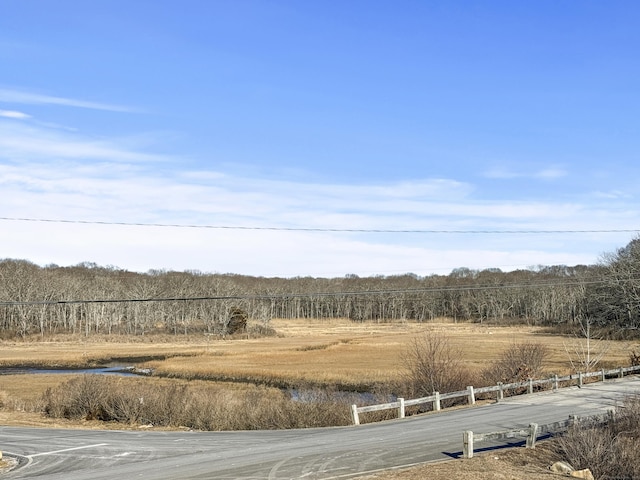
67	450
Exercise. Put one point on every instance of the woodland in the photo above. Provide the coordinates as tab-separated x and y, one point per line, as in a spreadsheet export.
89	299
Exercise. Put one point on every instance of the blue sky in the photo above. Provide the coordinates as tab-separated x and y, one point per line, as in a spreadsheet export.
460	116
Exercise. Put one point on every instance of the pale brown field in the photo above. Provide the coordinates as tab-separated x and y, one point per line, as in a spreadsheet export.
332	352
351	354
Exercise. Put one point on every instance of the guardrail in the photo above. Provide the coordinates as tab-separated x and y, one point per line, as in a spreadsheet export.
531	433
500	389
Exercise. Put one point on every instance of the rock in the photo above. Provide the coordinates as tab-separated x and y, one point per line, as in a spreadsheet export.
7	464
584	474
561	467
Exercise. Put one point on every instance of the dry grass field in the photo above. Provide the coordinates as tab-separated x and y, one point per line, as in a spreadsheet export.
352	354
332	352
337	353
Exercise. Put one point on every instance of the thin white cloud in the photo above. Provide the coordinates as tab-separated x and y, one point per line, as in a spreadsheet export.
50	174
30	98
551	173
260	253
613	194
505	173
501	173
14	114
139	193
29	142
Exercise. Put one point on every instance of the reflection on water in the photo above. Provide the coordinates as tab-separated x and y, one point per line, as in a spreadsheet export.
310	396
116	370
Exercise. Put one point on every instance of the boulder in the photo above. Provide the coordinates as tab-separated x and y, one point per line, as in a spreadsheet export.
584	474
561	467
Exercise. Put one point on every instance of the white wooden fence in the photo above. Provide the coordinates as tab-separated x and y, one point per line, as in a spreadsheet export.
555	382
531	433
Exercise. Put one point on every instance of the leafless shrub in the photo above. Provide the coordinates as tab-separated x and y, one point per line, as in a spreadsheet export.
124	405
85	398
627	418
256	330
434	365
520	362
634	358
588	448
609	450
133	401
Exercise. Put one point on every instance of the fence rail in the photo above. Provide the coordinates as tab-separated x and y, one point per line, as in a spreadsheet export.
531	433
500	390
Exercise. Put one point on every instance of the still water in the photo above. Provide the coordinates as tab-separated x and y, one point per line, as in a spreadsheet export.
115	370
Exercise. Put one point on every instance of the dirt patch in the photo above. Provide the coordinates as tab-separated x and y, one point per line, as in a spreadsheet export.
511	464
7	464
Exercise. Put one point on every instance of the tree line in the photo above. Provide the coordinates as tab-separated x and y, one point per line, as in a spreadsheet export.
90	299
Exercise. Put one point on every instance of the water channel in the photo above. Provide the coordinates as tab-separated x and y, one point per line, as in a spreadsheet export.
130	371
119	370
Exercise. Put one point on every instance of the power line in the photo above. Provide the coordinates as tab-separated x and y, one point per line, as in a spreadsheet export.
309	229
287	296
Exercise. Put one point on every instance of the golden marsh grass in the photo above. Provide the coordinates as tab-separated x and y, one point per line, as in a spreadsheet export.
330	352
353	354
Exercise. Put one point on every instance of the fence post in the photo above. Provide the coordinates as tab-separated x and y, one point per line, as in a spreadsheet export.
467	444
580	379
621	374
530	385
436	401
354	415
472	397
555	382
603	375
533	434
500	391
401	407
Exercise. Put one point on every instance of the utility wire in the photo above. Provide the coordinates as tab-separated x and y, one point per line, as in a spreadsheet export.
305	229
271	296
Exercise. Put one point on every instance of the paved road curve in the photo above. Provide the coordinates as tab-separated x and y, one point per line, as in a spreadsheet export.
329	453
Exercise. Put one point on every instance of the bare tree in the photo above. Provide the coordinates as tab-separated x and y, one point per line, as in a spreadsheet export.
586	351
434	365
521	361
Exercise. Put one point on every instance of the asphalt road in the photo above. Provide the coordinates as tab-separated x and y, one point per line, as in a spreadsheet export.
327	453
